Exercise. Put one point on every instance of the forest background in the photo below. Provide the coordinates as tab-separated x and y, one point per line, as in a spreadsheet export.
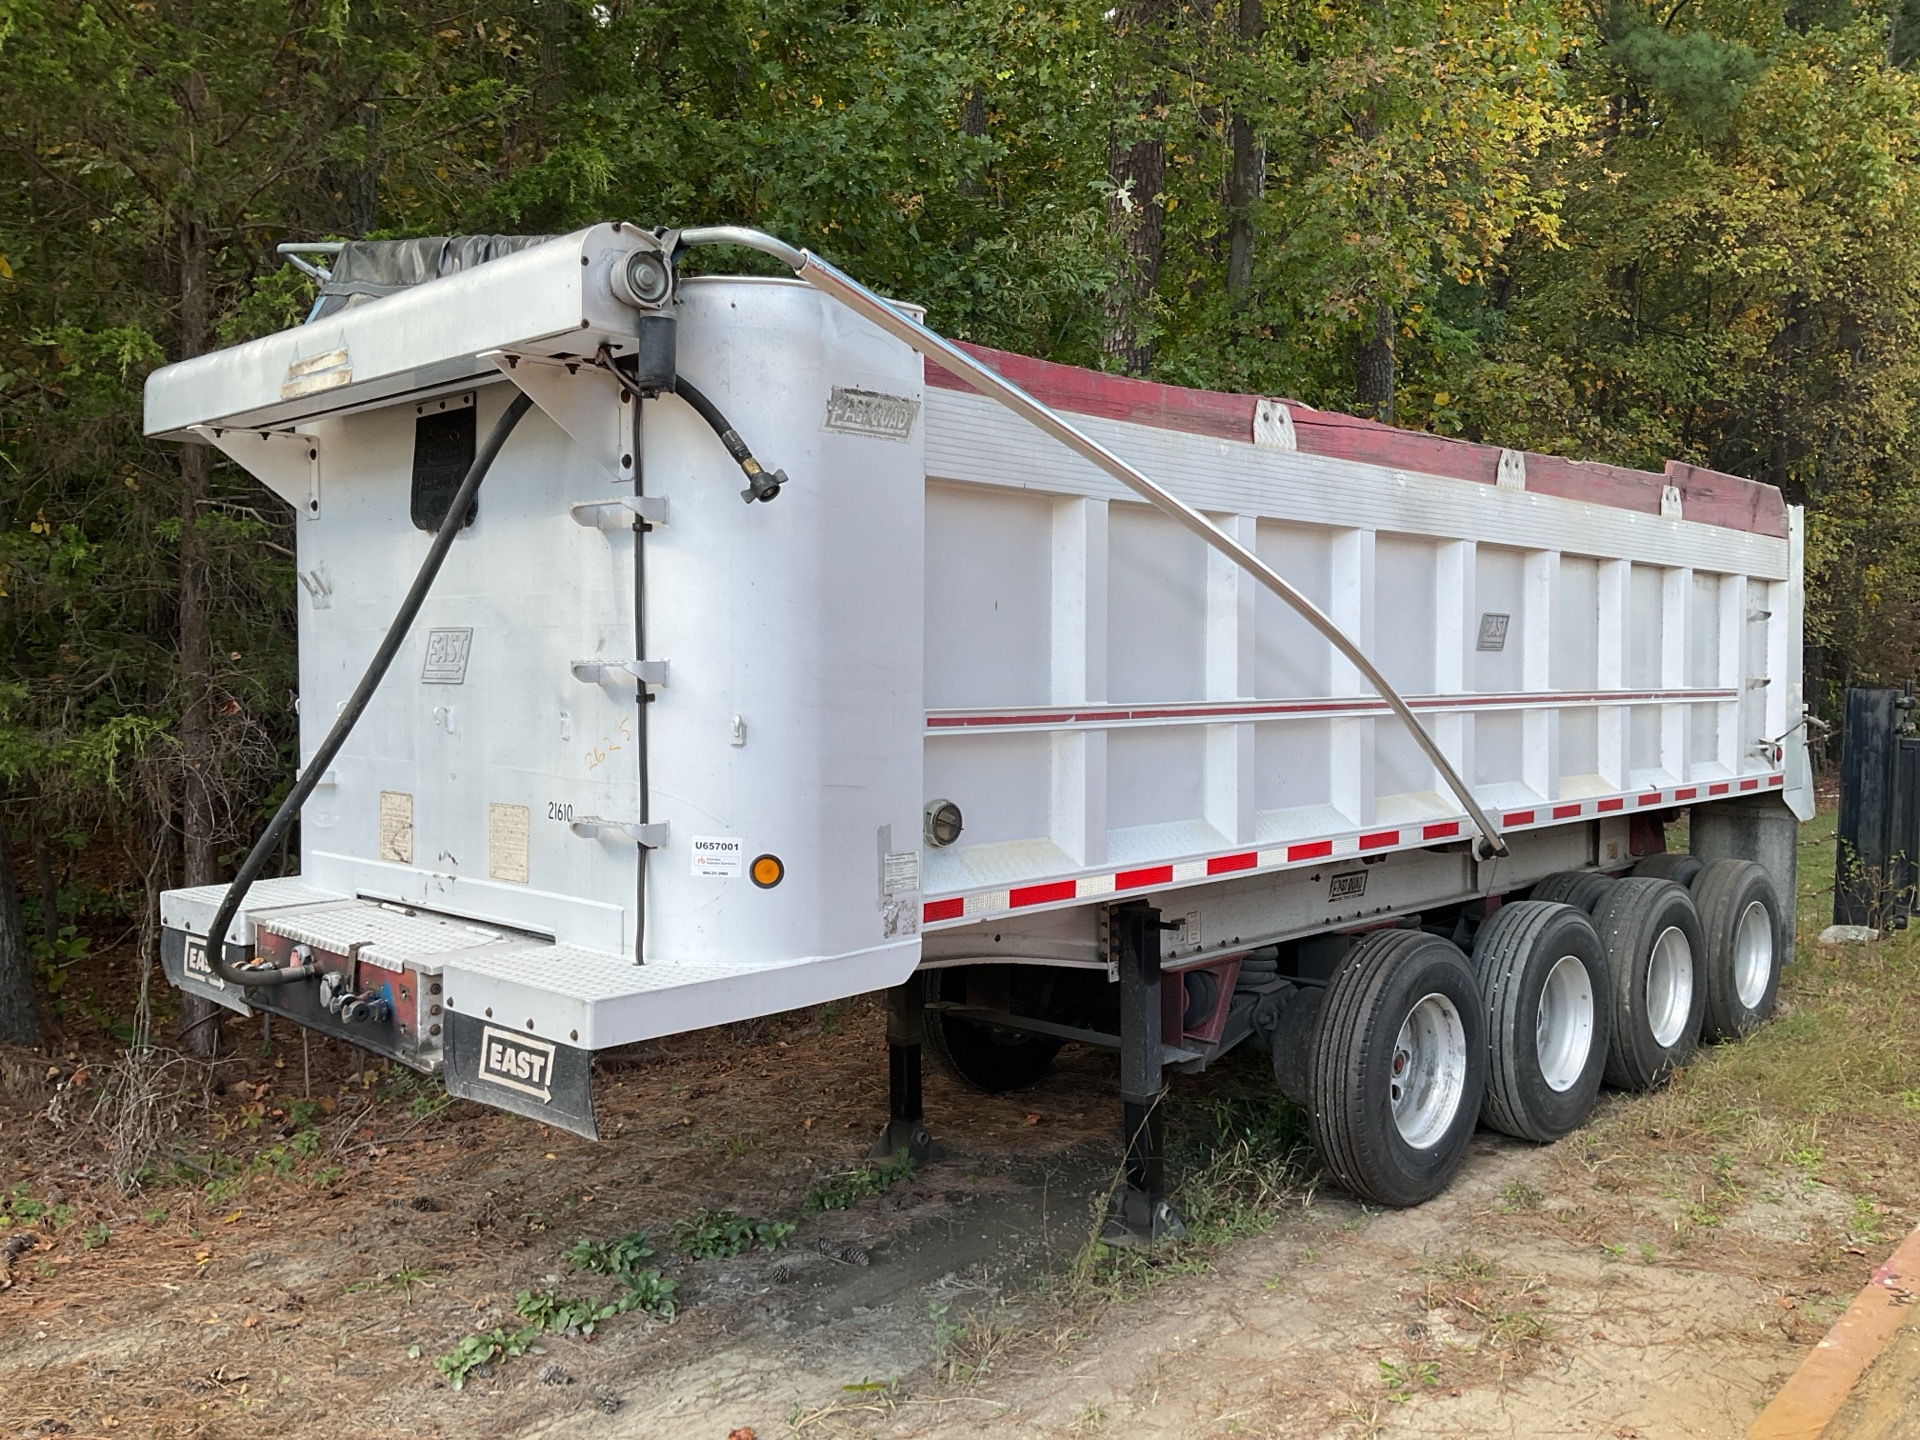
1624	231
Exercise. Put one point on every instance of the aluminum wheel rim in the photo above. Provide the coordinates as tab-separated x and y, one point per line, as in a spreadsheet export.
1669	986
1429	1072
1752	954
1563	1029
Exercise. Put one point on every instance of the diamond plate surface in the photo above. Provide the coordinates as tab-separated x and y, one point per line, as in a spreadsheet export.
386	935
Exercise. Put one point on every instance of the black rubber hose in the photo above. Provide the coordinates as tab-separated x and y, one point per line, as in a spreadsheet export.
762	484
269	841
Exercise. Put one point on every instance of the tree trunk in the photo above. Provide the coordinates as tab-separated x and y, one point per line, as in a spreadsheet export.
1373	368
1244	173
1137	169
49	887
199	1018
19	1017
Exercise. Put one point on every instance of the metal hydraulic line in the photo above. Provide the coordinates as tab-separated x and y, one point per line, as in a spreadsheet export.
950	357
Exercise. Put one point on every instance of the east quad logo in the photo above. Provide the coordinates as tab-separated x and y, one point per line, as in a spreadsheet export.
517	1062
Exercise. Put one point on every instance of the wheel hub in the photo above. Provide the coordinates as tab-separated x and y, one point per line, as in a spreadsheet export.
1429	1071
1669	986
1563	1026
1753	954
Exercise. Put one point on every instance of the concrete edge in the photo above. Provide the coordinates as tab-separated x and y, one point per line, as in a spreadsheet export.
1818	1389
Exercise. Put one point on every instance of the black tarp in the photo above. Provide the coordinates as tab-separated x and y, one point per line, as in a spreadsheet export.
367	269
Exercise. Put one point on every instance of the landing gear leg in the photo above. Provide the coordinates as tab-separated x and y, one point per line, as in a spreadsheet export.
906	1029
1138	1213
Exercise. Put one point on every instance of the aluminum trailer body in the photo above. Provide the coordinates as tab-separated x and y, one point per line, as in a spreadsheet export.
957	716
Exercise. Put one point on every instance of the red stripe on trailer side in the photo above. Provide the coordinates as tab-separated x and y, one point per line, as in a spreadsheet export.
1566	812
1776	780
1152	875
1441	831
1041	894
1686	794
1518	817
1719	789
1614	804
1749	784
1652	797
1227	864
943	910
1380	839
1706	496
1312	850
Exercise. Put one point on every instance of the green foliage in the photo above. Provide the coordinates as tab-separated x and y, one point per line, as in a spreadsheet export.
548	1312
721	1234
848	1188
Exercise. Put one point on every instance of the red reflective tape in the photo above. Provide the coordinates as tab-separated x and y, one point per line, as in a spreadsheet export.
1776	780
1686	794
943	910
1614	804
1519	817
1566	812
1152	875
1441	831
1312	850
1379	839
1749	784
1041	894
1650	798
1719	789
1226	864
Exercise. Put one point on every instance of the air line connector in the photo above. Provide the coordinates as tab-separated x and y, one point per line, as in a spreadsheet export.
761	484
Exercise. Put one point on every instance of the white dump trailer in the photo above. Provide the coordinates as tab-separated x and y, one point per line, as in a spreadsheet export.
789	652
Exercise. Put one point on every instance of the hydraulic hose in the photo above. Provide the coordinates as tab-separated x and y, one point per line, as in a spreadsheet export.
762	484
255	976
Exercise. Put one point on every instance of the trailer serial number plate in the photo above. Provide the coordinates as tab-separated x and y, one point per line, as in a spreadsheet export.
1347	887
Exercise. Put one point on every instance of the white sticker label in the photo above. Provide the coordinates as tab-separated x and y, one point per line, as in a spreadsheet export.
722	857
396	826
507	843
899	872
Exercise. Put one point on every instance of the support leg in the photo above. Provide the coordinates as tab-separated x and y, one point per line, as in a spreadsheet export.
1139	1213
906	1030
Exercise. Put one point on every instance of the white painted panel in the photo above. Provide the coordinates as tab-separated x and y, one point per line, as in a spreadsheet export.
1403	612
1644	586
1579	750
989	592
1643	756
1155	775
1156	608
1703	636
1291	659
998	781
1499	582
1499	750
1290	760
1576	626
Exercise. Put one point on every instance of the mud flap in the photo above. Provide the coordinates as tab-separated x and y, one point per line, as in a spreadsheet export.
184	958
526	1074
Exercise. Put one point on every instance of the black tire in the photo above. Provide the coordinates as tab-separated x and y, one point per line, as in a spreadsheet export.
1355	1056
1636	916
981	1056
1677	866
1746	942
1522	950
1581	889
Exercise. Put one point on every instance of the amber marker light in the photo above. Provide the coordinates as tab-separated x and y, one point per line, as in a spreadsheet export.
767	871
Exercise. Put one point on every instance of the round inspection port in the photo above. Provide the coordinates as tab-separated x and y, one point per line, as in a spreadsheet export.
767	871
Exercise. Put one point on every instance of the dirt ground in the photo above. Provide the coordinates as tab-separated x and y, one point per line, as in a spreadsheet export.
316	1231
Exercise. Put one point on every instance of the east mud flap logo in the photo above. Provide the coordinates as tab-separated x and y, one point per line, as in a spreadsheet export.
193	960
517	1062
